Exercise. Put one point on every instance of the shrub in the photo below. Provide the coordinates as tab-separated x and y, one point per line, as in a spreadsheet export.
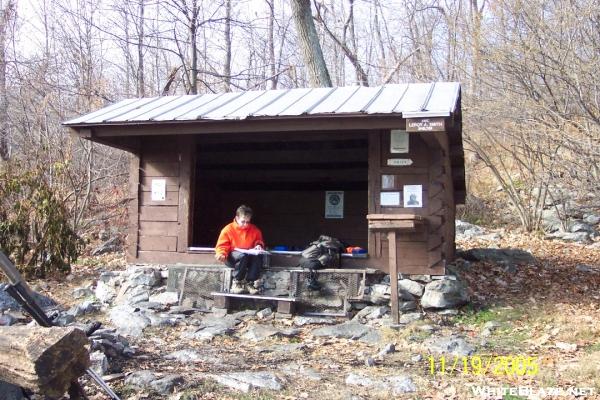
34	223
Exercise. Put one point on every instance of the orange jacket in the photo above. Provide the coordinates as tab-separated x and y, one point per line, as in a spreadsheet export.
233	236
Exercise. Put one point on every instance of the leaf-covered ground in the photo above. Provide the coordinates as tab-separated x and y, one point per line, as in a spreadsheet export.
544	316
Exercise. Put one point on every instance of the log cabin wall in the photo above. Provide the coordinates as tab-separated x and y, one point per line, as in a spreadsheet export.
162	225
425	250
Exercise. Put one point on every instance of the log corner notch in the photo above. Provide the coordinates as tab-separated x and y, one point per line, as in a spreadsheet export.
44	360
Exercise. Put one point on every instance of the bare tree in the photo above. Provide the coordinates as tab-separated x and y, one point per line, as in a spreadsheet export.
7	14
309	44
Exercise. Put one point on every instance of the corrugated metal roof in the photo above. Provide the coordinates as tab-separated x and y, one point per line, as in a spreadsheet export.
413	100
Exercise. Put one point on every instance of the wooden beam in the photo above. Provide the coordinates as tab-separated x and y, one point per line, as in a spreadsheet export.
44	360
186	151
279	124
134	204
393	275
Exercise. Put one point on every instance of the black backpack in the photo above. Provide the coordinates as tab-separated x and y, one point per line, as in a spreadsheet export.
324	252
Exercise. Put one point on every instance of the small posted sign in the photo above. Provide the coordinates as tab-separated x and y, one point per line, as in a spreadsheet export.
334	204
159	189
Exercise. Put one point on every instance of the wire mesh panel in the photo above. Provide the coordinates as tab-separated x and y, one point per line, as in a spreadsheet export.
198	282
336	288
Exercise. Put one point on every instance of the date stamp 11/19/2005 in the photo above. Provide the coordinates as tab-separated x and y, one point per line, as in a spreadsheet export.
511	365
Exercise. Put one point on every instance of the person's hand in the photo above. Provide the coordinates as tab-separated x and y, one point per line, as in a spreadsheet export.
220	257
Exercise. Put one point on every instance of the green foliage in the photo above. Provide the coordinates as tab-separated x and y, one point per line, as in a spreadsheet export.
34	224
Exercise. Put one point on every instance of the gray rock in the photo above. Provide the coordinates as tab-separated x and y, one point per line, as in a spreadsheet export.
105	292
412	287
7	320
360	380
498	256
407	306
466	230
87	307
388	349
186	356
127	321
63	319
151	305
246	381
301	321
416	358
454	345
401	384
300	371
110	246
145	277
592	219
371	312
410	317
262	314
8	303
109	277
132	294
420	278
82	292
166	385
449	311
211	326
140	379
369	362
371	337
580	226
167	298
99	363
347	330
285	348
160	319
575	237
257	333
444	293
11	392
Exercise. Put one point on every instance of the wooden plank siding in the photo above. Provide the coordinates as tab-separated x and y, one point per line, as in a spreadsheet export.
159	221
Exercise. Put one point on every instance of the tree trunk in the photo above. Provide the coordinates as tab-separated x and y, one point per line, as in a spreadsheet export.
6	15
141	78
309	44
227	66
45	360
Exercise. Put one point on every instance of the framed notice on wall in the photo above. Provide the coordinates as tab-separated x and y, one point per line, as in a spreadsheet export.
413	196
398	141
334	204
159	189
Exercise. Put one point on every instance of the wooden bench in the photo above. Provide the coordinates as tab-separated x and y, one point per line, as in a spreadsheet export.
285	305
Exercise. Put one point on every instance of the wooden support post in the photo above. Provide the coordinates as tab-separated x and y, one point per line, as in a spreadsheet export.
44	360
393	275
222	302
285	307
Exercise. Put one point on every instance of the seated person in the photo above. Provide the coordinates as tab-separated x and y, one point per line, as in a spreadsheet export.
241	234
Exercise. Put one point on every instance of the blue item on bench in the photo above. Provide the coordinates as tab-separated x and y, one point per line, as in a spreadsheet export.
281	248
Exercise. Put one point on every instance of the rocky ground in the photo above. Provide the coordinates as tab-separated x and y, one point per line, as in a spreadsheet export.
532	323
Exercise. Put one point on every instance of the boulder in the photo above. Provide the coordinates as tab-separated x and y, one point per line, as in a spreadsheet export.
246	381
498	256
454	345
127	321
412	287
445	293
99	362
347	330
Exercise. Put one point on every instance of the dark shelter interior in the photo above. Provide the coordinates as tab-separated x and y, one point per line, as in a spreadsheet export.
284	177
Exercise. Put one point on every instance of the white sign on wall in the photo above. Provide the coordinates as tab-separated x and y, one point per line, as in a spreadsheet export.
159	189
389	199
334	204
413	196
398	141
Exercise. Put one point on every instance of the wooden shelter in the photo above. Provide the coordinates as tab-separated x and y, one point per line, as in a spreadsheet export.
364	164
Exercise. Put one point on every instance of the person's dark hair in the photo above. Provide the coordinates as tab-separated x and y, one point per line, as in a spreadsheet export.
243	210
